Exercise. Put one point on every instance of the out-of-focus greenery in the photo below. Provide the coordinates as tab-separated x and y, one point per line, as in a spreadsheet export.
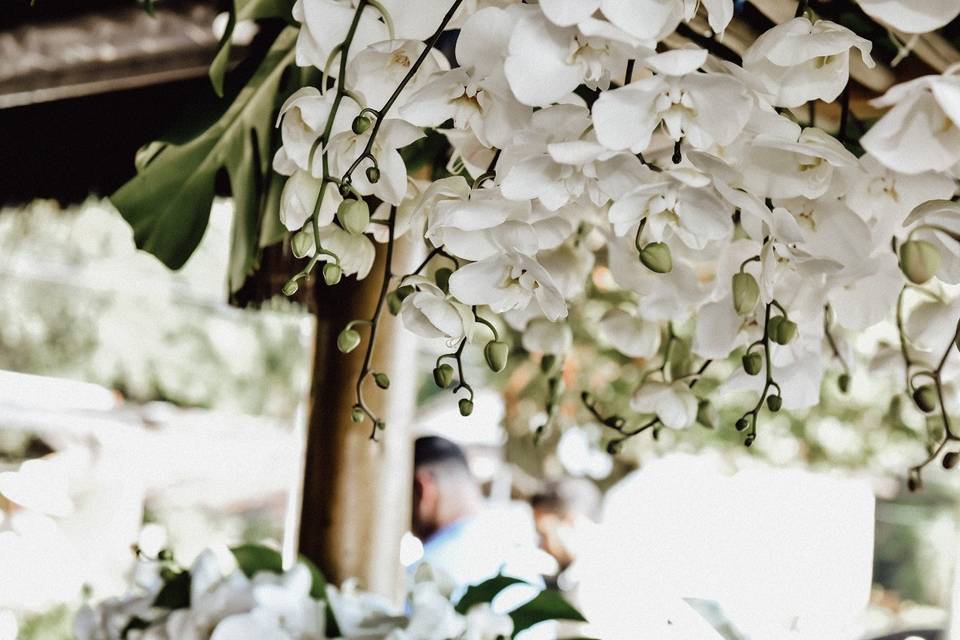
77	300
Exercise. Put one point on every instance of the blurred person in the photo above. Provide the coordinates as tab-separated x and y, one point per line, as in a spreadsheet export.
465	539
565	514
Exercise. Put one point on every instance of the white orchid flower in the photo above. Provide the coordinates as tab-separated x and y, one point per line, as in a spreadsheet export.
475	95
557	159
911	16
508	280
430	313
629	334
483	623
302	119
377	70
703	109
673	402
546	62
394	134
324	25
680	202
922	130
775	167
800	60
655	19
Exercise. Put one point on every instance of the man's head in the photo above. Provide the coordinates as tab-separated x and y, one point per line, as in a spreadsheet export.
444	490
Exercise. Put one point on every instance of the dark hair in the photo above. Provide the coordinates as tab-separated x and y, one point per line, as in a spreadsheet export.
434	450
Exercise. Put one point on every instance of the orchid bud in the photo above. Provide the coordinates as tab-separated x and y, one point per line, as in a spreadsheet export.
746	293
466	407
443	375
373	175
781	330
615	422
361	124
496	354
742	424
950	459
290	287
301	244
394	303
926	398
442	278
844	382
548	362
382	380
919	260
332	273
752	363
707	414
656	257
774	403
354	216
356	414
348	340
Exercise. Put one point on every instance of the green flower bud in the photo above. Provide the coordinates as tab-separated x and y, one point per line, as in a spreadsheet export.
844	382
382	380
548	362
466	407
746	293
348	340
919	260
361	124
656	257
752	363
950	459
443	375
373	175
926	398
442	278
394	302
357	414
354	216
496	354
742	424
784	332
332	273
290	287
301	244
774	403
615	422
707	414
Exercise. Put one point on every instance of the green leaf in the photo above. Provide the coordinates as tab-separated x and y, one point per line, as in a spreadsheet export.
175	594
243	10
168	202
485	592
254	558
548	605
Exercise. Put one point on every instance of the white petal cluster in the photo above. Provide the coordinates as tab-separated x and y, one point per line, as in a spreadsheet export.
585	147
224	604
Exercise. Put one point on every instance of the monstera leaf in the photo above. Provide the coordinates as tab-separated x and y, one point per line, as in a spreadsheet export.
243	10
168	202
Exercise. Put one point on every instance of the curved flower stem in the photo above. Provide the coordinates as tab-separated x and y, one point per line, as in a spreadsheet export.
374	323
831	340
769	382
914	478
382	112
